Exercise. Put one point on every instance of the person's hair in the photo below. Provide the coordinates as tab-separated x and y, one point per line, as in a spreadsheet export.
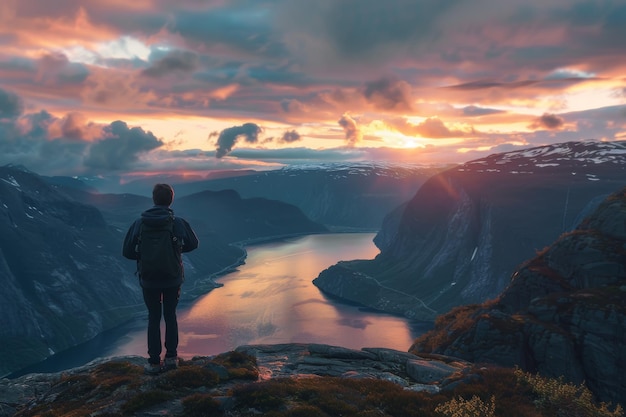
162	195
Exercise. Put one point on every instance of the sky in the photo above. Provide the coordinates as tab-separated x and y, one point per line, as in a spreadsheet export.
97	87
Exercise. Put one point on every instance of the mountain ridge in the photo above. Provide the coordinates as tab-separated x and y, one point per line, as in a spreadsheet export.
460	237
563	313
342	196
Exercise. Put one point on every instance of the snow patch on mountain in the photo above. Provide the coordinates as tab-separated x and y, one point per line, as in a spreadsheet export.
342	170
11	181
581	157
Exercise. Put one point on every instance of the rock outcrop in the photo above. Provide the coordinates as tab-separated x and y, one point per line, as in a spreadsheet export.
563	314
411	371
47	391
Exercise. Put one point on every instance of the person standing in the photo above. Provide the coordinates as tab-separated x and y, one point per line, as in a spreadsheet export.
156	241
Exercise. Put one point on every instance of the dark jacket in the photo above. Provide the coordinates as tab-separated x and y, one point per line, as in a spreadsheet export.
155	216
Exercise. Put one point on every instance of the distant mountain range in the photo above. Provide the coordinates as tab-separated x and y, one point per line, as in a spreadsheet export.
64	279
341	196
563	313
459	239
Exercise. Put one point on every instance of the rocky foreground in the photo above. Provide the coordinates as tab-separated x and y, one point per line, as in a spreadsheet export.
30	394
291	380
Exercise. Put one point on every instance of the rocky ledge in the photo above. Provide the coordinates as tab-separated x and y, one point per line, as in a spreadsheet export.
410	371
289	380
109	385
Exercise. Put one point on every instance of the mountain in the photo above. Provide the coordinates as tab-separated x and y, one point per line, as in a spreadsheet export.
225	213
64	279
62	275
341	196
459	239
563	313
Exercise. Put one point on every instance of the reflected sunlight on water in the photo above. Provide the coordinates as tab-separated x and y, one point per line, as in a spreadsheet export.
271	299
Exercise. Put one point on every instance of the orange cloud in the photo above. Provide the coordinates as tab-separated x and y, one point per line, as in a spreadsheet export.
351	129
432	127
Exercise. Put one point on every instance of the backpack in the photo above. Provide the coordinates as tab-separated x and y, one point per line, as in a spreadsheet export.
160	251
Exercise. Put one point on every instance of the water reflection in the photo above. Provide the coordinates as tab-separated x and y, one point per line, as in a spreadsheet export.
271	299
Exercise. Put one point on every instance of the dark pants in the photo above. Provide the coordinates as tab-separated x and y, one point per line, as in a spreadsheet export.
154	298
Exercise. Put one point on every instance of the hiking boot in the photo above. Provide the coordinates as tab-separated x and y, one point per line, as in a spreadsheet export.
152	368
170	363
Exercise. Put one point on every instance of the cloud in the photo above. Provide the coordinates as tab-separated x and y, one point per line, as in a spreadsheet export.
389	93
290	137
120	147
357	28
435	128
72	126
229	136
55	69
432	127
229	29
286	63
548	121
475	111
174	61
351	128
26	141
11	105
486	84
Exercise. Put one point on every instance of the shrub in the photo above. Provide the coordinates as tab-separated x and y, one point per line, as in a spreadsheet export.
263	396
565	399
189	377
305	411
145	399
474	407
201	405
239	365
447	328
114	374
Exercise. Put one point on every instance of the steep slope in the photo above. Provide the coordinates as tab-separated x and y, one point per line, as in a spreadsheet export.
564	312
63	281
466	229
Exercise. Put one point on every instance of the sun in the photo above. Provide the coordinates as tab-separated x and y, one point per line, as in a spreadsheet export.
395	139
410	143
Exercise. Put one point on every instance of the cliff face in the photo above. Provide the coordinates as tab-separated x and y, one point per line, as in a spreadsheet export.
564	312
466	230
63	281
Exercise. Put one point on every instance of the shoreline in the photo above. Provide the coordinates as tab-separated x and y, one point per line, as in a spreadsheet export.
242	244
187	298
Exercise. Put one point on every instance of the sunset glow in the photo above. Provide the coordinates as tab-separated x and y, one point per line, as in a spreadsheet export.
98	87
